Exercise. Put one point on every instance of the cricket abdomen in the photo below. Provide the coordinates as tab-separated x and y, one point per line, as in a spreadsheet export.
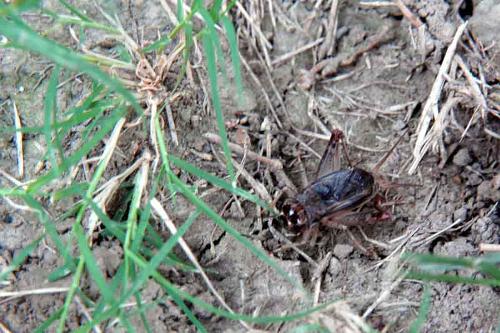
342	189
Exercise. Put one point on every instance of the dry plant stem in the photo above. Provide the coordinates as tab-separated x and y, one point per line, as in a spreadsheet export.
414	20
267	71
382	297
437	234
115	22
305	145
152	104
483	247
491	133
356	323
263	91
290	188
272	163
399	248
476	91
318	275
160	211
430	109
377	4
11	178
261	37
4	329
289	55
257	186
86	314
326	49
330	66
170	13
105	158
19	141
289	244
40	291
18	206
171	123
373	241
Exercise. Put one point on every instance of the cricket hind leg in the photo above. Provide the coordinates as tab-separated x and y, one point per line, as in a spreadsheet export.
330	161
344	220
384	158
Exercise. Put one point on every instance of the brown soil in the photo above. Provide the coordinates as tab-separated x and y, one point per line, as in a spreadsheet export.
374	100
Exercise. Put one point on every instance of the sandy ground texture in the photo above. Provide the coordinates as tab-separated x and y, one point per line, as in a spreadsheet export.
371	69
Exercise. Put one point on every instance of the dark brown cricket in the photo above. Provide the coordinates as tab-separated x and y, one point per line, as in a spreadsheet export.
337	196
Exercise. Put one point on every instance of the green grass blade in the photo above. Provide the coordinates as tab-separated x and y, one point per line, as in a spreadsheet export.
235	55
44	327
212	33
145	215
70	191
425	304
20	258
25	38
215	217
50	228
223	313
90	262
140	179
113	229
429	264
18	6
107	125
148	269
50	116
214	180
180	10
62	271
212	74
233	232
142	312
75	11
157	259
452	279
215	10
158	45
310	328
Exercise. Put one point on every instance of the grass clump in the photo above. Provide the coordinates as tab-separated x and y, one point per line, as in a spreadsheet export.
102	115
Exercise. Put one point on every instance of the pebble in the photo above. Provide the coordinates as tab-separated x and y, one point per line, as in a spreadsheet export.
335	267
460	214
487	191
195	121
462	157
342	251
473	179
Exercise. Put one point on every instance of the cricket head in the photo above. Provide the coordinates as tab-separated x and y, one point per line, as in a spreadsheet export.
294	215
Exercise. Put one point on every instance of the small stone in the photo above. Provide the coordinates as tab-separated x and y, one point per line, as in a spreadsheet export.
195	121
335	267
496	182
398	125
342	251
474	179
462	157
235	212
460	214
485	230
456	248
487	191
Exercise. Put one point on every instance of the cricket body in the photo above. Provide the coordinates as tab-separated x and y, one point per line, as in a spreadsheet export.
337	197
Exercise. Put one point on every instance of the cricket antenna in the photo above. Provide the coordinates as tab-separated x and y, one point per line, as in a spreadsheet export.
384	158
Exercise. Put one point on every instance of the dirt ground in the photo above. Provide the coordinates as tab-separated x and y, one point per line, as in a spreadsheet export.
449	206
